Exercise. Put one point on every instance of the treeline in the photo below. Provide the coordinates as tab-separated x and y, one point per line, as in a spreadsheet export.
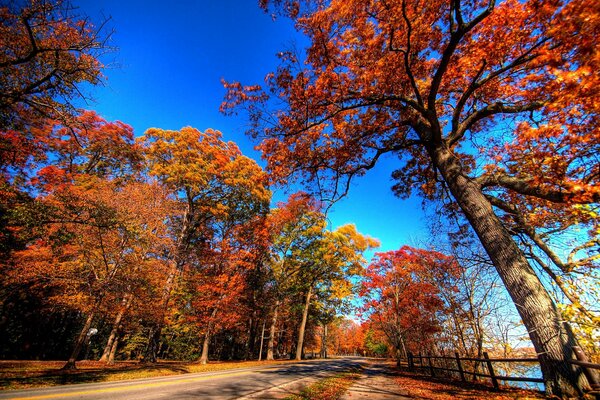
164	246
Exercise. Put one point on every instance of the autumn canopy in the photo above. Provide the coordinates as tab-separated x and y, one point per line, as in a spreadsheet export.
172	244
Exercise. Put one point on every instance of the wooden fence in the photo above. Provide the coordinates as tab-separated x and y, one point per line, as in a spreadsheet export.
458	365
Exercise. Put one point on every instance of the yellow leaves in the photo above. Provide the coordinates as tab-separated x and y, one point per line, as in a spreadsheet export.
341	289
360	241
195	161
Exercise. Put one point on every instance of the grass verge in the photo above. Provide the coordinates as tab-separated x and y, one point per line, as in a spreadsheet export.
331	388
39	374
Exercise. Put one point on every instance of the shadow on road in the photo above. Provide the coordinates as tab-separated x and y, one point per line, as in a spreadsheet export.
260	384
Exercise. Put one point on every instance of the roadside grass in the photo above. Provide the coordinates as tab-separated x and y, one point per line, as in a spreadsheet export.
330	388
38	374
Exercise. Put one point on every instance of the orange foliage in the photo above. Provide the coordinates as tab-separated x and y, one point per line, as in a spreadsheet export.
401	298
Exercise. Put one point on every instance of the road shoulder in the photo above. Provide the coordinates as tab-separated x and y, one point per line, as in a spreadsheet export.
377	383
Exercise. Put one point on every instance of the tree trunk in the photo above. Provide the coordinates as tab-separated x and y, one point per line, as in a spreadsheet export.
252	333
125	304
551	338
83	335
271	343
151	353
324	342
113	350
402	349
205	343
300	345
262	339
178	263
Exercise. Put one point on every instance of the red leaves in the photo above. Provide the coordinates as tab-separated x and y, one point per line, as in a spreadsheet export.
390	77
47	51
401	294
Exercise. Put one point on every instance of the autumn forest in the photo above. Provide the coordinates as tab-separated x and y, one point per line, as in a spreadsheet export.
169	244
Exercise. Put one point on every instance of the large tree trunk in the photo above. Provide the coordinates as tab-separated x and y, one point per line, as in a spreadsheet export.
125	304
300	345
551	337
271	343
83	335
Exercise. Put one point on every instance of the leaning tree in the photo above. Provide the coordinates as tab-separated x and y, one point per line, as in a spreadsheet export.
484	102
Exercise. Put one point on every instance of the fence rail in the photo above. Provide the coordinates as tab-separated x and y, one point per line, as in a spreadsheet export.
459	367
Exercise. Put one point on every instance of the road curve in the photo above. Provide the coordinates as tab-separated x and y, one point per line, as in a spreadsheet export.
231	384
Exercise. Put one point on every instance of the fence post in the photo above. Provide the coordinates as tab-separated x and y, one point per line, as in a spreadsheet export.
444	363
491	370
590	375
420	360
431	364
460	368
410	362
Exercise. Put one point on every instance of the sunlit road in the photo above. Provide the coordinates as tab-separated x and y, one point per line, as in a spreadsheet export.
233	384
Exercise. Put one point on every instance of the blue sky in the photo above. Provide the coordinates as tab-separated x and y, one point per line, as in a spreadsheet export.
167	71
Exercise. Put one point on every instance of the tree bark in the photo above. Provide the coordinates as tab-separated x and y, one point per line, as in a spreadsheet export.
262	339
551	337
205	343
125	304
300	345
83	335
113	350
270	345
324	342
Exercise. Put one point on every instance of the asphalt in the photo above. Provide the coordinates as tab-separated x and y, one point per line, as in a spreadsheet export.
376	383
252	383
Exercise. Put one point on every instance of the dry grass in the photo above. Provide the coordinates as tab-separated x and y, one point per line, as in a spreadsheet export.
331	388
30	374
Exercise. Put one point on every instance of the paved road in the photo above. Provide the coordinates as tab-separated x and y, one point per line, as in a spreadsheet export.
377	383
234	384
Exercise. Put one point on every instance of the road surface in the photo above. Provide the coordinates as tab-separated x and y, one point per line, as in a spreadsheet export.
250	383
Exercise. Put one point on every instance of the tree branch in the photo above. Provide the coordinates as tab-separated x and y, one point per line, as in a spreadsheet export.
455	38
527	188
489	110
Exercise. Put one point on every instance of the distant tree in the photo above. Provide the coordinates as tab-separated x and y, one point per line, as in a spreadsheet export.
401	298
327	265
292	227
216	188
